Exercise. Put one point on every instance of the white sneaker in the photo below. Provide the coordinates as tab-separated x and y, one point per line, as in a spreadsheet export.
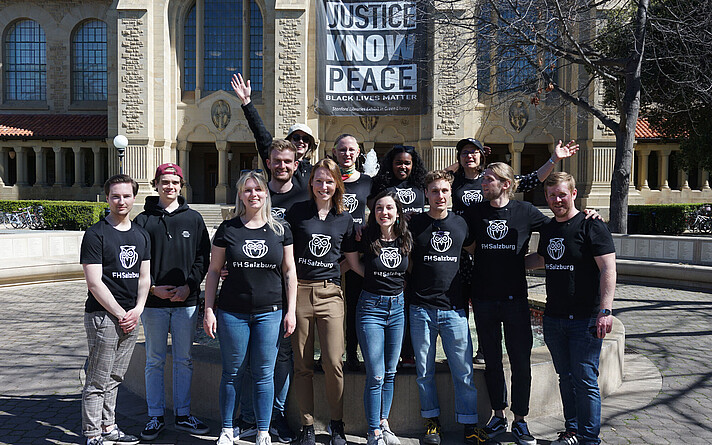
263	439
388	436
375	440
226	437
566	438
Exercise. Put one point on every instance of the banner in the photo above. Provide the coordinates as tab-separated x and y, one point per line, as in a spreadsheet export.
371	58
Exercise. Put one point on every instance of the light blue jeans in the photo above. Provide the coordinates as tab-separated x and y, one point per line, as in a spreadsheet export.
180	322
451	325
238	333
380	323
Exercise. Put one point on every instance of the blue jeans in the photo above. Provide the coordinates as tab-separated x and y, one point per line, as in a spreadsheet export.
283	371
575	353
157	322
238	333
490	316
452	326
380	323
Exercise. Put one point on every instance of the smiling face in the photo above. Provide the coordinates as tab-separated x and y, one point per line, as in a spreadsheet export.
120	198
252	195
402	166
281	164
438	194
561	198
168	187
346	152
386	212
470	156
300	140
323	185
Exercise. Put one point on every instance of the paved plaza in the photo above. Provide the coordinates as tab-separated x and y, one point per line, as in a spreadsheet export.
43	346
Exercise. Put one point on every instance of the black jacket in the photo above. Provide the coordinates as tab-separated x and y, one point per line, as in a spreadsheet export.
180	249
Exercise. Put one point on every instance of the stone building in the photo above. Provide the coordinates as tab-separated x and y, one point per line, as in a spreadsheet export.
75	74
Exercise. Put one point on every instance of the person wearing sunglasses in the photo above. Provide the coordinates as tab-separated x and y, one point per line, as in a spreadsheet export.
299	134
249	314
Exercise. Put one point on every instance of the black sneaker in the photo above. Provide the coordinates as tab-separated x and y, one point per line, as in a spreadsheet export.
336	429
566	438
475	435
153	428
95	441
432	431
246	429
496	426
479	358
521	433
279	428
191	424
117	436
306	436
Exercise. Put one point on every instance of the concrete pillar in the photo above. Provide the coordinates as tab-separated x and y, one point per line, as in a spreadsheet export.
221	190
684	180
60	179
40	166
4	165
643	169
98	170
78	167
663	163
184	162
705	176
21	160
516	150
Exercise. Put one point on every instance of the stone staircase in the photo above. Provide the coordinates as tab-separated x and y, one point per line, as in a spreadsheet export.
212	214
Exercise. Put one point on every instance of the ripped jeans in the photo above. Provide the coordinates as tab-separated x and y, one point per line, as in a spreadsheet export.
380	321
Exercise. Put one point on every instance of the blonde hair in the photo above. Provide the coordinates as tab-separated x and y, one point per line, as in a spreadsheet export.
337	201
505	173
557	178
266	210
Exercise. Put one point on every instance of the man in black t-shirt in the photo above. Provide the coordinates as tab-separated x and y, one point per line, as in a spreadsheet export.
115	256
438	308
580	262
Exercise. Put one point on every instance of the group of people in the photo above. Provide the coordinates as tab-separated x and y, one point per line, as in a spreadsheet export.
411	266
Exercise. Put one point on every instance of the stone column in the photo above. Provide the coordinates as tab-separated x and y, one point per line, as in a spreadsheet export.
516	150
663	163
222	189
60	179
98	171
21	162
40	166
4	165
643	156
78	167
705	179
684	180
184	162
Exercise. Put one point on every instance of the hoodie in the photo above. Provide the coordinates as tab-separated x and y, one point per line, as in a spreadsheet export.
180	249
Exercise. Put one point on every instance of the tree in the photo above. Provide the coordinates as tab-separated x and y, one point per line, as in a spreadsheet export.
523	45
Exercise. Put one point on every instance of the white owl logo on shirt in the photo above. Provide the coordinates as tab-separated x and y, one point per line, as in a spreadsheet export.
405	196
471	196
128	256
441	241
255	248
390	257
278	212
320	244
350	202
556	248
497	229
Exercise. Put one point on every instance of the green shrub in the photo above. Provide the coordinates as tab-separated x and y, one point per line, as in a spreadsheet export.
65	215
658	219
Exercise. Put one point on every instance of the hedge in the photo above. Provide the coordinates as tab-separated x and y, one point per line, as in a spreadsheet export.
66	215
659	219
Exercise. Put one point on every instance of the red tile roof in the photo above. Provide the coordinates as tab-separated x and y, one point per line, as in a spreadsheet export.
643	130
53	126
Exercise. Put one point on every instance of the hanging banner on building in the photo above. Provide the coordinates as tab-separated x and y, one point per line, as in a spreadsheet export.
371	58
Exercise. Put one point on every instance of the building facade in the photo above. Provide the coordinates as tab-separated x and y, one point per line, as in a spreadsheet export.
76	74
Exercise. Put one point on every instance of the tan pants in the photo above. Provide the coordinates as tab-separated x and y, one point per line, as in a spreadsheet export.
319	304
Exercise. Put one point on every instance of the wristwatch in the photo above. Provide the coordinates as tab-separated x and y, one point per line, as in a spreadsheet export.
605	312
150	290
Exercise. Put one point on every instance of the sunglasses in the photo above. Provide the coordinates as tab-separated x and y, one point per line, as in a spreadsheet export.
300	138
465	154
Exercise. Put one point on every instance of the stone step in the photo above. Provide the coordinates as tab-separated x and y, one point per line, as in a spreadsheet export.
211	213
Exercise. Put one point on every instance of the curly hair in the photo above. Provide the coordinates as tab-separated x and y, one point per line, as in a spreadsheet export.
385	177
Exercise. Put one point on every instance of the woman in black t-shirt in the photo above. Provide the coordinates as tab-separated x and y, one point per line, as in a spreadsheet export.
402	171
380	313
259	255
323	230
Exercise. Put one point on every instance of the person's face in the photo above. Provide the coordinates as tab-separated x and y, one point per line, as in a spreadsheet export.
300	140
281	164
386	212
253	196
323	185
492	186
438	194
402	166
560	199
346	152
470	156
121	198
168	186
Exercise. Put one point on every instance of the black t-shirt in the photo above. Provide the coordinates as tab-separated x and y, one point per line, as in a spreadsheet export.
411	196
435	281
281	202
466	192
384	274
254	263
502	236
120	254
572	275
318	244
355	198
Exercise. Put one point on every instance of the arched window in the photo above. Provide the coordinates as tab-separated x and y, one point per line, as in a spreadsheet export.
25	62
222	45
89	75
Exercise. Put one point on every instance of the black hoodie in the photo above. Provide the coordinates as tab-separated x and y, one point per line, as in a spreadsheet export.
180	249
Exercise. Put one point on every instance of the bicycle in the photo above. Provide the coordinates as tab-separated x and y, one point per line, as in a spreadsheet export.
701	219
